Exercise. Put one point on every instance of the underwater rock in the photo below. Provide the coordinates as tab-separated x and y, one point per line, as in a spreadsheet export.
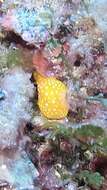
72	186
18	90
35	21
99	15
32	25
40	62
80	36
2	95
13	56
18	171
48	65
15	166
3	59
49	179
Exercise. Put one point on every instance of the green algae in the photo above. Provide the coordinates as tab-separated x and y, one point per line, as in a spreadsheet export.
14	58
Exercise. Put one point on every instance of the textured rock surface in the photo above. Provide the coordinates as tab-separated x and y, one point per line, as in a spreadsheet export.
73	35
18	171
15	166
100	15
34	21
16	106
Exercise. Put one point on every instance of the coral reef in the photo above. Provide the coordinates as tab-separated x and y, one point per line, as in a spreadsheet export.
53	95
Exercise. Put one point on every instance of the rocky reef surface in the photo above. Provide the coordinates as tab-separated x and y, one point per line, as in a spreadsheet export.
64	42
15	109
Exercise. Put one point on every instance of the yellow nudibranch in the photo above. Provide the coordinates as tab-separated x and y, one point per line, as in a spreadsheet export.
52	97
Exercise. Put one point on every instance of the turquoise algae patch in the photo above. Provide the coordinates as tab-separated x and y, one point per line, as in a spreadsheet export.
32	24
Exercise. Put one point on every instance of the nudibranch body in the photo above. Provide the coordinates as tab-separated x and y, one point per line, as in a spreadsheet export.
52	98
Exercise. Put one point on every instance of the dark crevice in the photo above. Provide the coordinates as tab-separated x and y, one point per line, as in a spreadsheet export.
78	61
12	37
